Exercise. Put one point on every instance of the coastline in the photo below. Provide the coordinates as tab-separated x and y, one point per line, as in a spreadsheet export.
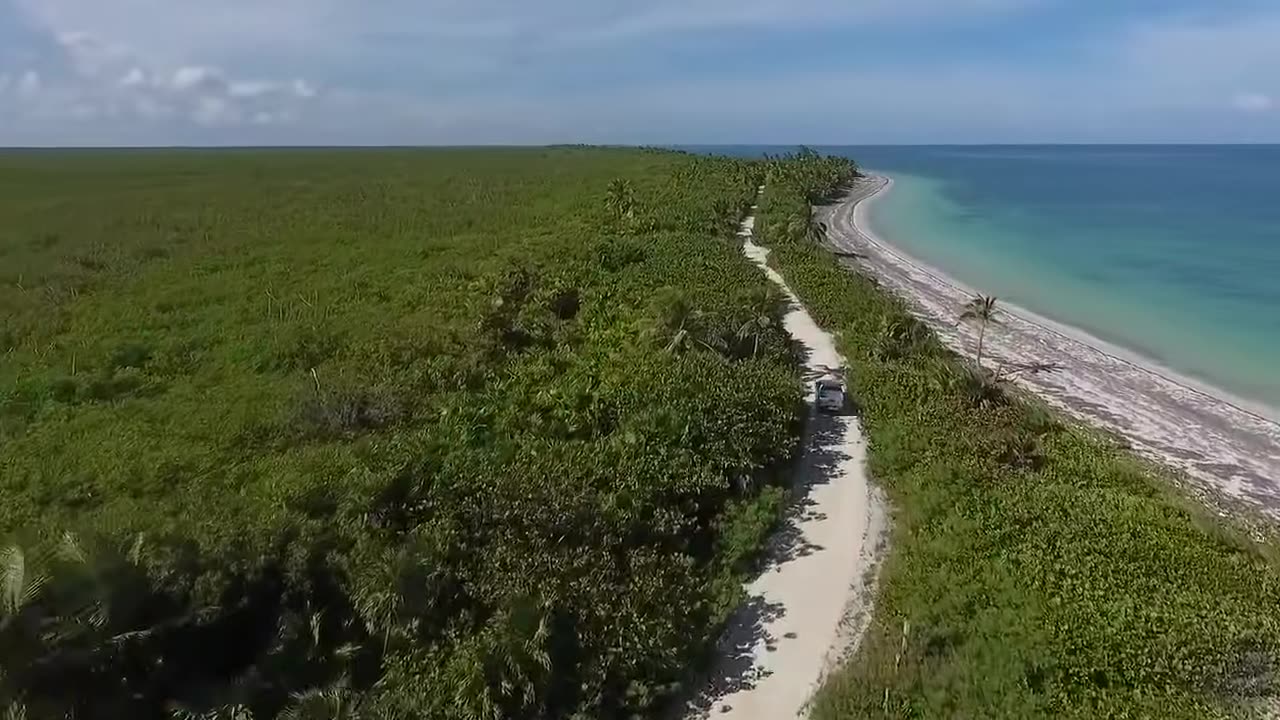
1228	446
1260	410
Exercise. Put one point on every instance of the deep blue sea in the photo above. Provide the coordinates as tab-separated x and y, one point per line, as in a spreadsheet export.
1170	251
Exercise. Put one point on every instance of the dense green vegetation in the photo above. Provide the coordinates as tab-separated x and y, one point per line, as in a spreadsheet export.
481	434
490	434
1036	569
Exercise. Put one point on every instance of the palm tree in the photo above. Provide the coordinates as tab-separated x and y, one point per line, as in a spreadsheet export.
898	336
686	334
677	319
980	309
400	591
817	230
517	650
620	199
20	579
762	305
75	593
503	673
754	328
807	228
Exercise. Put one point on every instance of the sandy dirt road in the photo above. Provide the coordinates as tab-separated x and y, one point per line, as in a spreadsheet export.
811	604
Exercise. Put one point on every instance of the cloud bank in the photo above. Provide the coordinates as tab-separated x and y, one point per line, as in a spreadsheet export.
148	72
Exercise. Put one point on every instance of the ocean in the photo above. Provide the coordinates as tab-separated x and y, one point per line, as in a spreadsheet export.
1172	252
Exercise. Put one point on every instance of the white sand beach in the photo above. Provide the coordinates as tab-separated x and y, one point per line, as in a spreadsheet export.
1228	448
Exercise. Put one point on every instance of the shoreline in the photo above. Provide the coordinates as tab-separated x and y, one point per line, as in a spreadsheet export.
1228	446
1258	409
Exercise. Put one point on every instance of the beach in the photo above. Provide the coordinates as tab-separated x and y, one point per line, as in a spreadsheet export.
1227	447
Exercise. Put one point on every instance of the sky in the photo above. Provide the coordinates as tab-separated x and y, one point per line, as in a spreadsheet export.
393	72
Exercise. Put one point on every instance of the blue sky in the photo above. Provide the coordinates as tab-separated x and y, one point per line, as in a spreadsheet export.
156	72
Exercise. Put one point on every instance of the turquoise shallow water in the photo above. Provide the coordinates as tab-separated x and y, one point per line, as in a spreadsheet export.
1172	252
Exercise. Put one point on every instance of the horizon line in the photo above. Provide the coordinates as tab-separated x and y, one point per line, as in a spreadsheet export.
637	146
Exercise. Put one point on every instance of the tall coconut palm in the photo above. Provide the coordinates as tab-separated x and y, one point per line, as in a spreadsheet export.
982	310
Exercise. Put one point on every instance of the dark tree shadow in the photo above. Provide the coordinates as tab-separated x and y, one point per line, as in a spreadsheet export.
1015	369
735	669
817	465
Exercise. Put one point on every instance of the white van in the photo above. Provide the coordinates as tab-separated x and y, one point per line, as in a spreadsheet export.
830	394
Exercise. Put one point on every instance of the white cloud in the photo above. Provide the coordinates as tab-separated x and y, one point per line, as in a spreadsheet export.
182	59
267	118
252	88
198	78
178	28
149	108
89	84
259	88
630	20
1252	102
134	78
563	70
215	111
29	83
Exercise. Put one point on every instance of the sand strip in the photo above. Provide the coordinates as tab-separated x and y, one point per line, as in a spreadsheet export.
1228	448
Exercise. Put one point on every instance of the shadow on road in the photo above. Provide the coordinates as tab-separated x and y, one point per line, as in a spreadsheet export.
735	669
818	464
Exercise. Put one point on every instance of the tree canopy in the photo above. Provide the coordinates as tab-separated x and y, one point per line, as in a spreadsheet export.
452	434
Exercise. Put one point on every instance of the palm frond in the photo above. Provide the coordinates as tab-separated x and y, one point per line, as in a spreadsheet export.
21	582
981	307
138	549
71	549
335	702
677	340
